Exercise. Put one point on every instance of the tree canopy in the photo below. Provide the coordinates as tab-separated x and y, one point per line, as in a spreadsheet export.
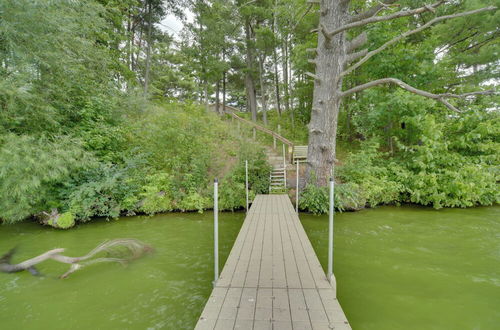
103	111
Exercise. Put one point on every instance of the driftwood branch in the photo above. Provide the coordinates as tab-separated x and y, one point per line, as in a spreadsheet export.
376	19
438	97
408	33
118	250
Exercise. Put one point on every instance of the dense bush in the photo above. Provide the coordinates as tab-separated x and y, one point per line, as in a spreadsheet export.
453	162
166	160
32	172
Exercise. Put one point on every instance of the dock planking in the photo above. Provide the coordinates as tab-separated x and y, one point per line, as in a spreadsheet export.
272	278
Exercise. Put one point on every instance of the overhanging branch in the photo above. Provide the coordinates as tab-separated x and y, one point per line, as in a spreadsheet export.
408	33
438	97
373	10
376	19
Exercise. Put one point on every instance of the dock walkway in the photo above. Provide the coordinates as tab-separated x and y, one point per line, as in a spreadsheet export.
272	278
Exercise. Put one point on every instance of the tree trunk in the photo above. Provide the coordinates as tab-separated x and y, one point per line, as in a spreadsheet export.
249	80
263	89
330	58
205	92
277	82
275	64
217	97
285	73
224	92
148	51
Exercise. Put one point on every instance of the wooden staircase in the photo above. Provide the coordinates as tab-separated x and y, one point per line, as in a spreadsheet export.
277	177
277	181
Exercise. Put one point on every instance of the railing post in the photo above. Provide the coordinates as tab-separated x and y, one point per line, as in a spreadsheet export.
297	190
216	231
284	156
246	182
330	233
274	141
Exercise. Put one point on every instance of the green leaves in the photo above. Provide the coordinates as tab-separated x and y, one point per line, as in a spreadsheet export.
32	170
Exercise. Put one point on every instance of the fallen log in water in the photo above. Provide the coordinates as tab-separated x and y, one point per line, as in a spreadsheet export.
119	250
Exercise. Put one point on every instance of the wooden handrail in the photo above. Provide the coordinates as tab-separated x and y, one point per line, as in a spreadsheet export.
262	129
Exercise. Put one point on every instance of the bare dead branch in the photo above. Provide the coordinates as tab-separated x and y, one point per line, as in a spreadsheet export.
376	19
438	97
118	250
357	42
325	32
373	10
408	33
354	56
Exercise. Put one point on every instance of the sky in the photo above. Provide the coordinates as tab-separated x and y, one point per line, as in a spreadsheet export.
173	25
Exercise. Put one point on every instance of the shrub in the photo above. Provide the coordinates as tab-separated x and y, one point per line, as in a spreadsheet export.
32	170
63	221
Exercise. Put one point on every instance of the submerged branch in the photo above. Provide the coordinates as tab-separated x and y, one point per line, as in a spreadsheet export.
118	250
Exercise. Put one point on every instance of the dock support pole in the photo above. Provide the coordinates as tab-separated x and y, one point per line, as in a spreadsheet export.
297	190
330	234
246	182
216	231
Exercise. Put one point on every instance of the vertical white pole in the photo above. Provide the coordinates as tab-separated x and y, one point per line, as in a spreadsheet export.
284	156
246	181
297	190
284	167
330	234
216	231
274	142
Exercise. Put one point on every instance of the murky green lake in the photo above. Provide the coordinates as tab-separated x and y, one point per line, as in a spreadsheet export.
396	268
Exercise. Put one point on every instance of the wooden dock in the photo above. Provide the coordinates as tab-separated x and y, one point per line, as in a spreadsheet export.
272	278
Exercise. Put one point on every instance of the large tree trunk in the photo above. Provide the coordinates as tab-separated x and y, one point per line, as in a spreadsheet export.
249	79
330	57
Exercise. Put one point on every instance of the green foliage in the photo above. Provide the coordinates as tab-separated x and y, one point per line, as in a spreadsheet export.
232	187
101	191
314	199
347	196
63	221
457	162
32	171
370	176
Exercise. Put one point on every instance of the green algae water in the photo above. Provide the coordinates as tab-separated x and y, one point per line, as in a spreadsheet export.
415	268
396	268
166	290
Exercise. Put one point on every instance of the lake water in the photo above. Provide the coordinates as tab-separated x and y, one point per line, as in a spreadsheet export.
396	268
